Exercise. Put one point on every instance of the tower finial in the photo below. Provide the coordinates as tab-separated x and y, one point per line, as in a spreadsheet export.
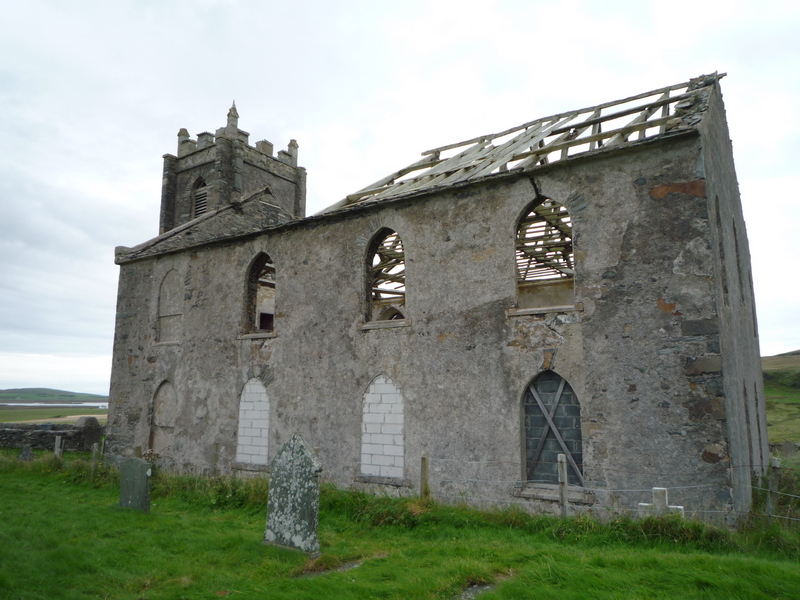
233	115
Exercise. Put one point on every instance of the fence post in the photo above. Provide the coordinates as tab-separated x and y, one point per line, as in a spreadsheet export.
58	451
774	479
424	488
562	483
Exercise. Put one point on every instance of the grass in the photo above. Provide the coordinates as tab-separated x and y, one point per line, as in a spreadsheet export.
782	392
17	414
63	536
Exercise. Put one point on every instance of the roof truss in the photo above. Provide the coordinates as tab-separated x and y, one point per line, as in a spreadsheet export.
543	141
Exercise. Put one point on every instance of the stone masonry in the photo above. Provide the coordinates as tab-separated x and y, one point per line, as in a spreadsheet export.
598	258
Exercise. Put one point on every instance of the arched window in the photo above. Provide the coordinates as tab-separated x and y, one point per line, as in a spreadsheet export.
552	426
544	256
199	197
170	308
260	296
382	433
253	438
386	277
162	427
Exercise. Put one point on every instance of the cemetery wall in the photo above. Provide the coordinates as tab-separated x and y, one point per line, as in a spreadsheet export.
79	436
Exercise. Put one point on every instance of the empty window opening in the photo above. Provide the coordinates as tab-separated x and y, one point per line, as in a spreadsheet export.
170	308
382	430
386	274
199	198
260	305
252	441
552	427
544	256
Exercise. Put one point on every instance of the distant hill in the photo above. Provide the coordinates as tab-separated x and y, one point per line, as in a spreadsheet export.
779	362
47	396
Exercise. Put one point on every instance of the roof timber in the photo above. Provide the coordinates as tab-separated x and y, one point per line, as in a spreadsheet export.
555	138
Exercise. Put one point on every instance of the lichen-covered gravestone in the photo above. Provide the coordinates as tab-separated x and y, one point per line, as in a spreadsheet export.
293	504
134	484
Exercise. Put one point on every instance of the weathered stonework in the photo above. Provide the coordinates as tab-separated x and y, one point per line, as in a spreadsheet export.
659	344
77	437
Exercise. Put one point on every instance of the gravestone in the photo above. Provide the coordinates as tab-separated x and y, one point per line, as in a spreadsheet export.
27	453
58	450
293	504
660	505
134	484
788	449
92	432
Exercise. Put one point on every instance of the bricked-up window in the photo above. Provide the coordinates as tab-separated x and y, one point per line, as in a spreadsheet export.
162	426
382	435
386	277
260	297
252	441
552	427
199	197
544	256
170	308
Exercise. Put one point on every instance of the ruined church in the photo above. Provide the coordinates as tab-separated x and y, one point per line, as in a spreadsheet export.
579	285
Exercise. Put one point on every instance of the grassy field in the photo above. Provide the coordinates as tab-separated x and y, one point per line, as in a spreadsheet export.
63	536
17	414
782	391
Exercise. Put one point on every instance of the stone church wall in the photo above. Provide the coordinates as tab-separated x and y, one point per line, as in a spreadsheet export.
641	349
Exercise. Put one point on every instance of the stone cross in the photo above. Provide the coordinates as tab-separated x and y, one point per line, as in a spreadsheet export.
659	506
134	484
293	504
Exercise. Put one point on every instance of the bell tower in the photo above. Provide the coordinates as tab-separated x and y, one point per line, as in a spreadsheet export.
220	169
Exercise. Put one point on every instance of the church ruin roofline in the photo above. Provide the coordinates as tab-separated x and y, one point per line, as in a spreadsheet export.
657	114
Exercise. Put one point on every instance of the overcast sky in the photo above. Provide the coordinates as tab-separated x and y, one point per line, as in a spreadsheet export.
93	93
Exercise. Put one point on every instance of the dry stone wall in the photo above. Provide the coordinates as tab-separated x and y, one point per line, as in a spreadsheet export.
79	437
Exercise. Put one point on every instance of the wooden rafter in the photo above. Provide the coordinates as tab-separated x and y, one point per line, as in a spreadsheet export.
552	138
544	244
388	270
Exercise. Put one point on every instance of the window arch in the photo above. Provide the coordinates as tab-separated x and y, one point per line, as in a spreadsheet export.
252	442
552	426
544	256
260	296
382	430
386	277
170	307
199	197
162	425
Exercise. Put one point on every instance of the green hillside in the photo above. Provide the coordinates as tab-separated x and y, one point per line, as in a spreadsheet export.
47	396
782	391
